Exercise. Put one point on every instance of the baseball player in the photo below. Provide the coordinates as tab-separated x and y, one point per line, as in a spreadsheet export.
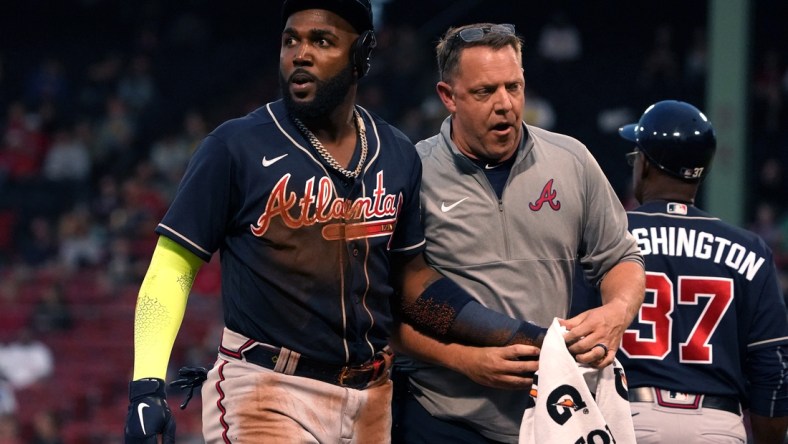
511	212
710	337
313	203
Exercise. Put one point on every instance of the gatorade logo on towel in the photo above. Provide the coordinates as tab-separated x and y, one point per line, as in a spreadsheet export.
563	402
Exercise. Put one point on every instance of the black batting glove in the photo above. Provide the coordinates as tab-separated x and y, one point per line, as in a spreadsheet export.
190	378
149	415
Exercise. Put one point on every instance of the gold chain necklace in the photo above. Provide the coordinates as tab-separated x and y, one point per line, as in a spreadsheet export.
362	134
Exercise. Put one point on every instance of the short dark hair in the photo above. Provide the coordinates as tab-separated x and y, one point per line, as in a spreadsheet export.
357	12
452	43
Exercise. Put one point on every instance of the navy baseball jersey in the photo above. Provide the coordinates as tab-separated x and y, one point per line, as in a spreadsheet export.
303	248
712	298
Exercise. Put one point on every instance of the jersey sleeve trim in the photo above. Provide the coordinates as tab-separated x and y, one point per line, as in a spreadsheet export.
773	341
636	258
410	248
202	252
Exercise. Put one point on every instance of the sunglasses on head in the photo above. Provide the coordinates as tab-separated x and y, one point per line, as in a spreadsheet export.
469	35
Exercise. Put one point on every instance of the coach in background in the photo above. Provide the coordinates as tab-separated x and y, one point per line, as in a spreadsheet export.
509	212
313	203
711	335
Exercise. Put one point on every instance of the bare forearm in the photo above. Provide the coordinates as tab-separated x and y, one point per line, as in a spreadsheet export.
624	286
622	291
767	430
405	339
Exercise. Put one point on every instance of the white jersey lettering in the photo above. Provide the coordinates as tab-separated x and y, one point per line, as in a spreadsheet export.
681	241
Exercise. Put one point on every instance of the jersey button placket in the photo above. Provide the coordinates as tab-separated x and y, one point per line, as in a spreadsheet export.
354	251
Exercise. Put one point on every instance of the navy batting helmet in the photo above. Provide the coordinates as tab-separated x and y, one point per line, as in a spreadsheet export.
675	137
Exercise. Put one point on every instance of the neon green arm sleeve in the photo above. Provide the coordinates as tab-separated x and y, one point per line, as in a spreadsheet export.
161	305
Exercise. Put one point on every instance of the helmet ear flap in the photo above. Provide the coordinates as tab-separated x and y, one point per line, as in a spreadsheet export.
361	51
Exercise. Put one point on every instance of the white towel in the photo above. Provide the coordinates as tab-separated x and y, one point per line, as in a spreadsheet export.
565	411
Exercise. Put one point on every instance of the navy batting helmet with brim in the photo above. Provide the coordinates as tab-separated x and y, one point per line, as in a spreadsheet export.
675	137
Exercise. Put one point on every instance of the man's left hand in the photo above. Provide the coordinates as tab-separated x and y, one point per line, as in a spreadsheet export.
594	336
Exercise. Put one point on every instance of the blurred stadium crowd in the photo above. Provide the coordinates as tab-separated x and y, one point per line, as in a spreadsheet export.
103	102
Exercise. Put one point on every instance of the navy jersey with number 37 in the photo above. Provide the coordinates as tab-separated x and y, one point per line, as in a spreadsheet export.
711	298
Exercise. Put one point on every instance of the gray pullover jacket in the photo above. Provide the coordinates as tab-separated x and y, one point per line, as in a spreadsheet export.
517	255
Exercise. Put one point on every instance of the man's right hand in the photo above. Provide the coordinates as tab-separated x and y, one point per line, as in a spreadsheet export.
511	367
149	415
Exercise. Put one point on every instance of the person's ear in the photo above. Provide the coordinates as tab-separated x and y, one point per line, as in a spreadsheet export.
644	167
446	94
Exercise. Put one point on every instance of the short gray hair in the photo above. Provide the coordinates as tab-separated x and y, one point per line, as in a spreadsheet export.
450	46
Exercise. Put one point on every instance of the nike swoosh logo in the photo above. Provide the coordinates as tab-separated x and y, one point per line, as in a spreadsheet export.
491	167
268	162
139	413
446	208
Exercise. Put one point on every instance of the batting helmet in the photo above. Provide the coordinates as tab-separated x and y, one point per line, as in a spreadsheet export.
675	137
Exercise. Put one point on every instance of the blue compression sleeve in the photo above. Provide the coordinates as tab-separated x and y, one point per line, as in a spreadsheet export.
445	311
476	322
